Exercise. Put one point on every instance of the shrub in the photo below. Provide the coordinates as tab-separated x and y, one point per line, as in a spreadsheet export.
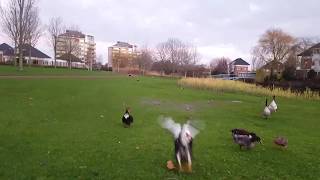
289	73
312	74
273	77
260	76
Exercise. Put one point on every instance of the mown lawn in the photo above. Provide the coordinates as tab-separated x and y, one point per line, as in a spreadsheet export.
50	71
71	129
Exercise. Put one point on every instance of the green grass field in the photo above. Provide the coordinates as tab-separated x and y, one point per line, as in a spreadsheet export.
71	129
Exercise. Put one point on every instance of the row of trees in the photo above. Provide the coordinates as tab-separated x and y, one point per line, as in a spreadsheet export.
175	56
170	57
20	21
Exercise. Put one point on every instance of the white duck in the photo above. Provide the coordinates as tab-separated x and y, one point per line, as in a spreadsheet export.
266	111
273	105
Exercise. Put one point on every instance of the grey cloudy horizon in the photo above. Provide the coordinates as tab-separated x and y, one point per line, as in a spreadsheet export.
228	28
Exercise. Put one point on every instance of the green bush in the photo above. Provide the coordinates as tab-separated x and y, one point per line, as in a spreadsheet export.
312	74
260	76
289	73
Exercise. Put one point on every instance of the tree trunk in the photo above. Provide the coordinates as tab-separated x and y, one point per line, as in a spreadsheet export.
21	34
15	55
30	56
20	59
55	53
70	62
55	60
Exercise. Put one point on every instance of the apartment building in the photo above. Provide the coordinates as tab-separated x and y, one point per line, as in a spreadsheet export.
80	45
121	55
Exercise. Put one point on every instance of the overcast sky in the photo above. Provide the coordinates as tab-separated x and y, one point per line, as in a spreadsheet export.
218	28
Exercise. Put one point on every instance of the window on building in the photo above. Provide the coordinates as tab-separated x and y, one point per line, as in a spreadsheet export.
316	51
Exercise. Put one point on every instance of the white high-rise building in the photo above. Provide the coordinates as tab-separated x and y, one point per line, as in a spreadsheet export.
82	46
121	55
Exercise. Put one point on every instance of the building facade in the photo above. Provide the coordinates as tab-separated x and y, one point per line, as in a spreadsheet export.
238	66
1	57
78	44
6	53
34	57
276	67
310	59
122	56
31	55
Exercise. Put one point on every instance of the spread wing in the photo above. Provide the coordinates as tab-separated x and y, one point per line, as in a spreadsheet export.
169	124
189	128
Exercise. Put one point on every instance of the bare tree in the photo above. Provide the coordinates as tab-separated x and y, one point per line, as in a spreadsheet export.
15	22
257	58
176	56
72	48
9	23
144	60
305	43
55	28
69	43
220	65
33	30
273	46
189	58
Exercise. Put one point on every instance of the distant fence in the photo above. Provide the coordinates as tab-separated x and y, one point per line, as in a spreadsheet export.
241	76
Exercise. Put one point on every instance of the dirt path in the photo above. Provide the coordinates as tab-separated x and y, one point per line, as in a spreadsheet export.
56	77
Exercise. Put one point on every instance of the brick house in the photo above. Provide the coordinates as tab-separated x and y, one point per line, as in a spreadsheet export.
238	66
310	59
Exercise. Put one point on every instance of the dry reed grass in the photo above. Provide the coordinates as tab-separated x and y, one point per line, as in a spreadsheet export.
237	86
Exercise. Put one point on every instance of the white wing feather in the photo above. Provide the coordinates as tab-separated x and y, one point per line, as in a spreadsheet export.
190	129
169	124
273	106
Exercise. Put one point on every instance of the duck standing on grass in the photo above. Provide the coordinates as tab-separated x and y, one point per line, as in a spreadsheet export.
273	105
244	138
127	118
266	111
281	141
